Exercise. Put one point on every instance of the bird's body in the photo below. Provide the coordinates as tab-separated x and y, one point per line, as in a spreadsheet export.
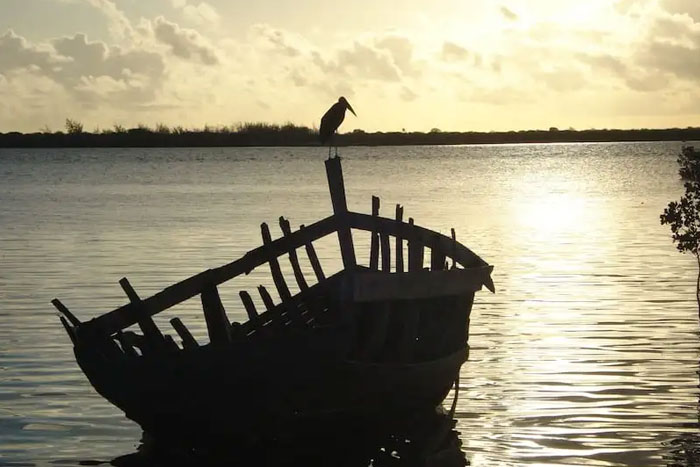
331	120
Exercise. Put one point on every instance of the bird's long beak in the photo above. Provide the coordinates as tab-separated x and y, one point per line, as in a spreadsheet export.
351	110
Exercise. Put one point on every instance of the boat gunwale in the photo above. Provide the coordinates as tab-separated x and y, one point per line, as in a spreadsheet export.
130	313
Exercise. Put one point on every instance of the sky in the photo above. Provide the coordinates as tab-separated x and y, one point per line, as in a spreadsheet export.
457	65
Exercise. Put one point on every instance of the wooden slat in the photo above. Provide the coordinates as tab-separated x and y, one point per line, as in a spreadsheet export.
375	286
274	312
188	340
218	325
275	270
150	331
399	240
313	259
293	258
437	256
411	313
65	312
454	247
374	239
416	251
386	252
336	185
253	315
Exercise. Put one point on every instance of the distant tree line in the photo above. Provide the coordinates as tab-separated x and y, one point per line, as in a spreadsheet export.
265	134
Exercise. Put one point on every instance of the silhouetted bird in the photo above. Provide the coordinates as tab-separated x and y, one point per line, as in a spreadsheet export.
330	122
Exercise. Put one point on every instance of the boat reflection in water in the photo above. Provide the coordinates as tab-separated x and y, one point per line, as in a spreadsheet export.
424	440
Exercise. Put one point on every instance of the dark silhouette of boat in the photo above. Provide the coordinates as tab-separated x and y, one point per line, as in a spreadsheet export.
367	343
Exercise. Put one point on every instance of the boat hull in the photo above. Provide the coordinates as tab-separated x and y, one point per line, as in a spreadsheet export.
250	392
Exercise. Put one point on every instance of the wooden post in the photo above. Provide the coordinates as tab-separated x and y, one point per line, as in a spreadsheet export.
293	258
334	173
148	327
275	269
188	340
399	240
411	320
416	252
253	315
313	259
437	258
454	247
386	252
374	239
218	325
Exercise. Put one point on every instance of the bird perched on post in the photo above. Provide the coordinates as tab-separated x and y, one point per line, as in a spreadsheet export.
330	122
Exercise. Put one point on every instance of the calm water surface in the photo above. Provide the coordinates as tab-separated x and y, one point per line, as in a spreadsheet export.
587	355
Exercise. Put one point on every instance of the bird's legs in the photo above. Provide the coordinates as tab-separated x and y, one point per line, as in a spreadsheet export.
336	145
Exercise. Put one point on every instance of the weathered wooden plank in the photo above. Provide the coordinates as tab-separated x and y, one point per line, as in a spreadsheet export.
251	311
411	312
416	252
274	312
313	259
336	185
150	331
188	340
386	252
218	325
454	247
128	314
275	270
374	239
376	286
65	312
293	258
399	240
437	257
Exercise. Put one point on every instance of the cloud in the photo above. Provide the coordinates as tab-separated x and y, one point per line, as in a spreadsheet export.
203	13
508	14
17	52
407	95
120	26
280	42
688	7
401	50
452	52
369	62
184	43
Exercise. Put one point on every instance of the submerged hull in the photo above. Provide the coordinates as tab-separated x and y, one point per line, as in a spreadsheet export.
264	388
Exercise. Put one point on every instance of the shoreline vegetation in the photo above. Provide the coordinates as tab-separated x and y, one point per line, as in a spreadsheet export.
265	134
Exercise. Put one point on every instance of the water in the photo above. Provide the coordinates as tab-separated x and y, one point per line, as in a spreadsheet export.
586	355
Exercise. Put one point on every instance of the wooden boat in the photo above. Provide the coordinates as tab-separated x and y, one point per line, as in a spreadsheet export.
368	342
